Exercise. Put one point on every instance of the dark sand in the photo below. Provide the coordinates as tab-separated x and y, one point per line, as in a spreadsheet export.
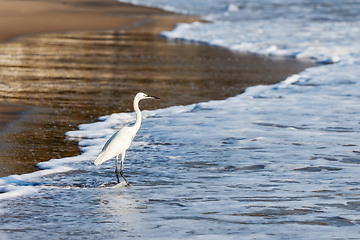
18	145
70	78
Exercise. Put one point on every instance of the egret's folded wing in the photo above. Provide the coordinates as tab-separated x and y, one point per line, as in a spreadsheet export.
115	145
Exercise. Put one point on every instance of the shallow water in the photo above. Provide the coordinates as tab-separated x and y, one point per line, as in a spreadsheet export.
207	171
277	162
76	77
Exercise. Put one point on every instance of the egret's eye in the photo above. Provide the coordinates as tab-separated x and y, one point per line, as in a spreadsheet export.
144	95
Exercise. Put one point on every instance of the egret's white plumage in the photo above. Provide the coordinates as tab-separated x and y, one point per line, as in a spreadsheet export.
121	140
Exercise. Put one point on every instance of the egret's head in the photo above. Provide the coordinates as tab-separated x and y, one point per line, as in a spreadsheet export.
141	96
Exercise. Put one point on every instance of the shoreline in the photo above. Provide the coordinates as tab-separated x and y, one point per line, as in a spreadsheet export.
90	15
74	77
59	16
62	16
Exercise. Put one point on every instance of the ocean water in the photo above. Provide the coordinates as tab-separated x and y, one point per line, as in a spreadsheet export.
276	162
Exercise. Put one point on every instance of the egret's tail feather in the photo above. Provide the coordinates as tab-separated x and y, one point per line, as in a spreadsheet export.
100	159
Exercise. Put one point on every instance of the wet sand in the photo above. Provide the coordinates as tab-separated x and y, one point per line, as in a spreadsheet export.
22	17
19	18
70	78
10	113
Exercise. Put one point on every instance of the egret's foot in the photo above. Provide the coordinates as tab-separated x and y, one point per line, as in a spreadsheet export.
124	178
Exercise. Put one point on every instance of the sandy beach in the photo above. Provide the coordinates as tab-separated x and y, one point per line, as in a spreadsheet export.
25	18
70	77
21	18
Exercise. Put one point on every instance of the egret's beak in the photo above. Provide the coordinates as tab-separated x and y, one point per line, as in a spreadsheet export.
153	97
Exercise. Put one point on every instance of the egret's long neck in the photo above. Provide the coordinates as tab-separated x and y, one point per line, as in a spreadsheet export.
138	115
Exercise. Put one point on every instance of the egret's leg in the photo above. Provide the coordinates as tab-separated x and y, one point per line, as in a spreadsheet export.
121	168
116	169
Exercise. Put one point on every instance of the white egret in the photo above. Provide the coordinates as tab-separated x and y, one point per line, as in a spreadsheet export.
121	140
